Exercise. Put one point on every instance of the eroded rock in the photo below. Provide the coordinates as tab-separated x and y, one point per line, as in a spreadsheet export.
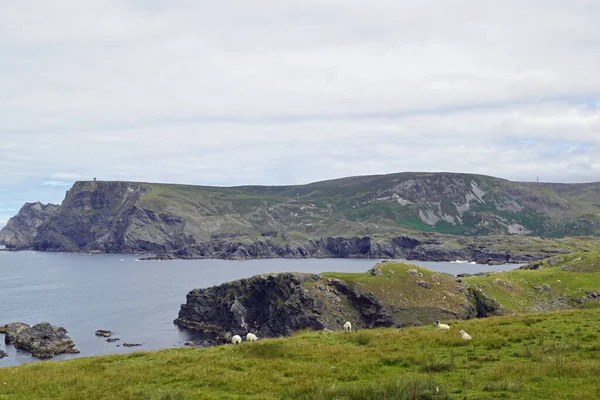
44	340
12	330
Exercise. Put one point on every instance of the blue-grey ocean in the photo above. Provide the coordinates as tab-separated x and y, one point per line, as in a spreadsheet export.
137	300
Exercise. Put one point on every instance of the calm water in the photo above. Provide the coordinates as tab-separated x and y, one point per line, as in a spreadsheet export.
136	300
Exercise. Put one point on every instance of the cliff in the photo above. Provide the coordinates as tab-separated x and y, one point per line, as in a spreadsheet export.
21	230
390	295
350	217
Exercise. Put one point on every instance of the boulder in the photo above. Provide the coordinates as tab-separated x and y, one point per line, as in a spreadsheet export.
131	344
112	340
44	340
12	330
102	332
424	284
2	354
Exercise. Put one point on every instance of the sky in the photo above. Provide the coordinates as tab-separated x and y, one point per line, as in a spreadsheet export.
289	92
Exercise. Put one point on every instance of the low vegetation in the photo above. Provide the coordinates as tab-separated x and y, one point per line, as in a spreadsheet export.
549	356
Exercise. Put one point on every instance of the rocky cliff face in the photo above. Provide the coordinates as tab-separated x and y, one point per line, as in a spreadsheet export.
106	217
351	217
424	249
21	230
275	305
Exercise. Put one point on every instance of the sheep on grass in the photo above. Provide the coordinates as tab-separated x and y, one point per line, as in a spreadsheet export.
441	326
236	339
251	337
464	335
347	326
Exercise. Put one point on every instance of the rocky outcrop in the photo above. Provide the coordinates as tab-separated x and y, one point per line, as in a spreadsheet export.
12	330
106	217
42	340
484	305
21	230
278	304
427	249
2	354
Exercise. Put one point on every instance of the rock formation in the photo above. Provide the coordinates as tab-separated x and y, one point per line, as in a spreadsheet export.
275	305
21	230
42	340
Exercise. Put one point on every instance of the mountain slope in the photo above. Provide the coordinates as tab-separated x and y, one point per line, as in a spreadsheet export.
124	216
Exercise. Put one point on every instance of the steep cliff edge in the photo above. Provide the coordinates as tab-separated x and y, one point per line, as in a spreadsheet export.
271	305
21	230
350	217
106	217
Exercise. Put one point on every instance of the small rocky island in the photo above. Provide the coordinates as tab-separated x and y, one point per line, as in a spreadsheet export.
42	340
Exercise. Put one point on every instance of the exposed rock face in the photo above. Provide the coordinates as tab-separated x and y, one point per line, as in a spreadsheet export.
42	340
12	330
21	230
278	304
257	221
484	305
355	247
106	217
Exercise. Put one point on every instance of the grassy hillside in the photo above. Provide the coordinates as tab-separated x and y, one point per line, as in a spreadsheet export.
549	356
553	284
462	204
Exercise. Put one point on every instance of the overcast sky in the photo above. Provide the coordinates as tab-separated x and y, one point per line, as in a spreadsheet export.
286	92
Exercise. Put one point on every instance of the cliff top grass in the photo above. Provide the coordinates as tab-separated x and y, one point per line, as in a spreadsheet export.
397	287
552	284
549	356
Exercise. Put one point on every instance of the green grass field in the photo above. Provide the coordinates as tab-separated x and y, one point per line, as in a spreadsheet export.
533	356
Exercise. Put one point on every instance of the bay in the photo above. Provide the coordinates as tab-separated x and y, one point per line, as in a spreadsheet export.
137	300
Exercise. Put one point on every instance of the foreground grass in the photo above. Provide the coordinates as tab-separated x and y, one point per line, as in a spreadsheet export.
550	356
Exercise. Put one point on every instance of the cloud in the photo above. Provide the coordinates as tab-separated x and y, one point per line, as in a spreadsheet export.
56	183
274	92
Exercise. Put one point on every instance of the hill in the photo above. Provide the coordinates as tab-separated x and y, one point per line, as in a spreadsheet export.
534	356
198	220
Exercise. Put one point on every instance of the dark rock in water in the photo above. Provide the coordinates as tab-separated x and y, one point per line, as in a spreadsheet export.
160	257
12	330
2	354
111	340
44	340
102	332
131	344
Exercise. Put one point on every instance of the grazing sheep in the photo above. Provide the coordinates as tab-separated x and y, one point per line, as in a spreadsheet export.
464	335
347	326
251	337
236	339
441	326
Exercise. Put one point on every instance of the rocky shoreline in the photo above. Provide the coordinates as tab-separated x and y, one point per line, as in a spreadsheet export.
402	247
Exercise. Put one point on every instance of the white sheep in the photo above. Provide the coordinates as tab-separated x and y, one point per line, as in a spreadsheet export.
251	337
464	335
441	326
236	339
347	326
